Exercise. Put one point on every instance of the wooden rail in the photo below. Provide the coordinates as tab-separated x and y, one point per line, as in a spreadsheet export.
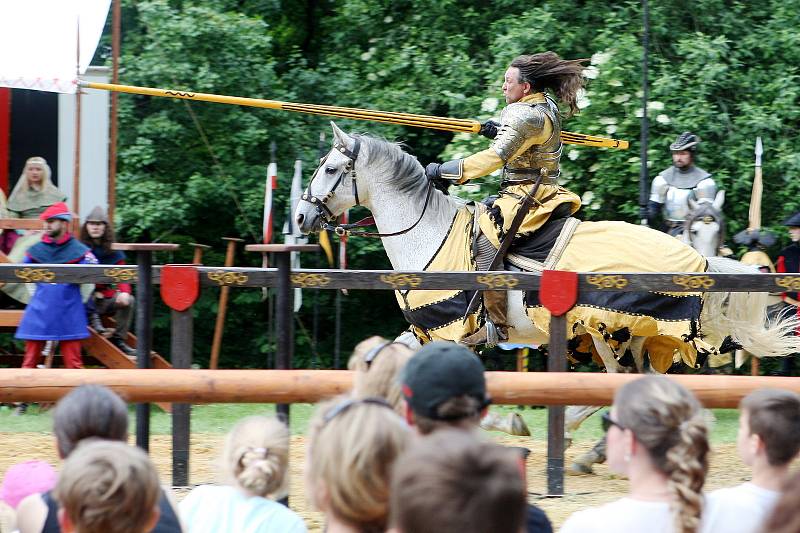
392	279
293	386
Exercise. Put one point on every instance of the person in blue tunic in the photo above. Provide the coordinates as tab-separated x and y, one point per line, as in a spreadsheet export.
56	311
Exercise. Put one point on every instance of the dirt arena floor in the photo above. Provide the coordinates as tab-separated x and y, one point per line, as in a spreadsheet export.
581	491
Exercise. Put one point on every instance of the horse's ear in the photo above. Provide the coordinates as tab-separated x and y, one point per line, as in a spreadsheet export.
719	200
339	136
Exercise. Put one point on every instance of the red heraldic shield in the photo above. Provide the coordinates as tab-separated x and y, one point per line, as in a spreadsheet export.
558	291
180	286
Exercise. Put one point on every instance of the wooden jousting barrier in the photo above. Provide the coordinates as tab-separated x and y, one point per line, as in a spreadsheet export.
294	386
386	117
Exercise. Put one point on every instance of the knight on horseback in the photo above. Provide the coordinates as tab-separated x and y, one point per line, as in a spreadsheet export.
672	189
527	146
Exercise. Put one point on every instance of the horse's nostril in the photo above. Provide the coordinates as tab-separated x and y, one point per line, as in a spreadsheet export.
300	219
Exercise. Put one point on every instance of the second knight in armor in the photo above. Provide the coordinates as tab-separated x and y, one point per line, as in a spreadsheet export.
672	188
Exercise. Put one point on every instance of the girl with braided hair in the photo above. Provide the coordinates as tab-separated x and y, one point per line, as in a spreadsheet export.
657	437
255	459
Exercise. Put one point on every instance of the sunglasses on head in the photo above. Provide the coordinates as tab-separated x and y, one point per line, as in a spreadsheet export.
606	421
347	404
371	355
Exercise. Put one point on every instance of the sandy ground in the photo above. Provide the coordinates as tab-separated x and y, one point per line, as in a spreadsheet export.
580	491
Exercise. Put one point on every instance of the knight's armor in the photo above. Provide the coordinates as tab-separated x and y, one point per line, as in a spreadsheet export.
673	188
527	144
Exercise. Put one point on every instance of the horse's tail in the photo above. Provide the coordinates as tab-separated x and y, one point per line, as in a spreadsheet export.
743	317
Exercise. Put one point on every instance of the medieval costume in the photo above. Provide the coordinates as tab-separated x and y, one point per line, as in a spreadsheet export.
28	200
672	189
56	311
104	300
789	262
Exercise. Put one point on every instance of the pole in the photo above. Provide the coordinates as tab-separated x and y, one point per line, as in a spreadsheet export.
284	321
116	32
644	139
181	352
222	309
144	338
76	167
556	362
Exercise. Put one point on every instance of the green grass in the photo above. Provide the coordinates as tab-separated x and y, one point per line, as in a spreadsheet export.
220	418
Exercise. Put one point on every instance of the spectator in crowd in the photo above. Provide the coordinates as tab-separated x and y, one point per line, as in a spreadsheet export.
107	487
377	363
254	461
444	387
20	481
56	311
451	482
768	441
108	300
89	411
352	446
785	517
657	438
7	237
34	191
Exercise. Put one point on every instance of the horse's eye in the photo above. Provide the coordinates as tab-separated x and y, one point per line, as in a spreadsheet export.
330	170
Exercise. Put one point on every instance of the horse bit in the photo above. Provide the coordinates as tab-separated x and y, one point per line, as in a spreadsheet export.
320	203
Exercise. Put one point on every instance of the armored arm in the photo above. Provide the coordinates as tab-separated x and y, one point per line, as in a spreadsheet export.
706	189
658	195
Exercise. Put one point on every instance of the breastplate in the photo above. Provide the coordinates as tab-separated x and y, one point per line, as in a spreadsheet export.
676	206
546	155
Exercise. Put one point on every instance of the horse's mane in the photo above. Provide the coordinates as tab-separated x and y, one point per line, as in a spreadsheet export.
706	209
406	171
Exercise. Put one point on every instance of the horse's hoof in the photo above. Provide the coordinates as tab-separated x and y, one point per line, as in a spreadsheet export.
579	469
518	425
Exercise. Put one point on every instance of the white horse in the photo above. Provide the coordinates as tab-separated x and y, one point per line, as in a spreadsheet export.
414	220
704	227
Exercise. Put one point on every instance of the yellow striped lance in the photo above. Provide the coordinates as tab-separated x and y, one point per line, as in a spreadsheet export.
386	117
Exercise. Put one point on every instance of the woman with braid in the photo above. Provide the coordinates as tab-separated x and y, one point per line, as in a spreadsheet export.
657	438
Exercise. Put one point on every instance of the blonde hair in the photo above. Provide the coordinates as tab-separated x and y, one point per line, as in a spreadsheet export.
256	454
668	421
108	487
453	482
352	446
378	376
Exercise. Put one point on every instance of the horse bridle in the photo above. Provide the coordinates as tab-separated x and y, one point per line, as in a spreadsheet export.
321	203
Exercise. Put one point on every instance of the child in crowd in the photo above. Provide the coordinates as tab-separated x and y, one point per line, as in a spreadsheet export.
657	438
377	363
89	411
352	446
452	482
768	441
107	487
255	460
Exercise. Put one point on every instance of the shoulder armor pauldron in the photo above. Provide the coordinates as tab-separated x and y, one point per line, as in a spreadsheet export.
520	121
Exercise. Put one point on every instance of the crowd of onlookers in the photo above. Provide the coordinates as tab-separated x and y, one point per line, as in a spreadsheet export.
404	453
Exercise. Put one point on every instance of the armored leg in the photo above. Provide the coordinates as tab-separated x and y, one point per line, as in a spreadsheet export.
495	329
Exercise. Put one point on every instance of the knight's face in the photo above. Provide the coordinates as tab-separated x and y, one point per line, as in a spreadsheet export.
794	233
513	90
682	159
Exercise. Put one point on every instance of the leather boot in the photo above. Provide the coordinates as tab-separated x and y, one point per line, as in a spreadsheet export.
96	324
123	346
495	329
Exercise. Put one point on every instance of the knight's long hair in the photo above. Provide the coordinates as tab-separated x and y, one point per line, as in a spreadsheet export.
564	77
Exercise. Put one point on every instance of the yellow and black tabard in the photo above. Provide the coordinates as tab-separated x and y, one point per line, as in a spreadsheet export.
528	141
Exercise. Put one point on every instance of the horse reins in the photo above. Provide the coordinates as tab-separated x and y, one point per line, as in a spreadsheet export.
350	168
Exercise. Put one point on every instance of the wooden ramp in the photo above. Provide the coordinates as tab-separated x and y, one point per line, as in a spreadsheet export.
98	347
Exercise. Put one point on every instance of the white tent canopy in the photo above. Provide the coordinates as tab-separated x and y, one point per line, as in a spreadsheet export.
39	42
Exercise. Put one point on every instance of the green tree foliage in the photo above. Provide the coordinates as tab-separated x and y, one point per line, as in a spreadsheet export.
195	172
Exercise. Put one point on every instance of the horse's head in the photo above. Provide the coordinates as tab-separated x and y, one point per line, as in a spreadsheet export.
704	227
333	187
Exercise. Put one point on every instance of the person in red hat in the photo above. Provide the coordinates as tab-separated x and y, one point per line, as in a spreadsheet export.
56	311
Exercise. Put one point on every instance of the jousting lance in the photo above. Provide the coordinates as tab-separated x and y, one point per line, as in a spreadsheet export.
387	117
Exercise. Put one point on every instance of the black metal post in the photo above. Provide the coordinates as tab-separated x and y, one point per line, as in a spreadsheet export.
181	354
644	184
284	319
556	362
144	337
